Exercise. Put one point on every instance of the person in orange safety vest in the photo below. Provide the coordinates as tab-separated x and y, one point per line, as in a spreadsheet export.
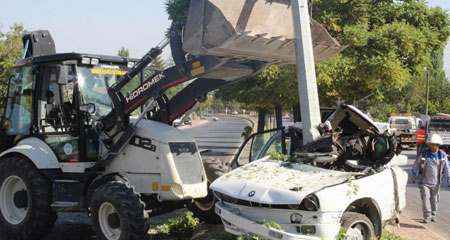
421	139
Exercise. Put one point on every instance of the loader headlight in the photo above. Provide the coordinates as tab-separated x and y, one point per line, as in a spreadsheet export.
85	60
92	61
95	61
310	203
130	64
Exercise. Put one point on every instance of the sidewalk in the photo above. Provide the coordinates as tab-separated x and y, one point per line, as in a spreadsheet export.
411	229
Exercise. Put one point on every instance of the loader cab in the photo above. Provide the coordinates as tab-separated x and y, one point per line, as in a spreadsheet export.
56	97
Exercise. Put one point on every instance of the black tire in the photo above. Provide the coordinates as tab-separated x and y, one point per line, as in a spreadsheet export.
204	208
37	218
351	220
129	214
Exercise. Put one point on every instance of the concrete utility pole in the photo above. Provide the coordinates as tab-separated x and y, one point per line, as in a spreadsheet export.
306	73
428	93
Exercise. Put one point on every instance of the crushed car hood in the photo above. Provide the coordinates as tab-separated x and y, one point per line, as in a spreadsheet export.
275	182
351	119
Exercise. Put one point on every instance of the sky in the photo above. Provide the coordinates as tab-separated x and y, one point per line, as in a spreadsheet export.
104	26
91	26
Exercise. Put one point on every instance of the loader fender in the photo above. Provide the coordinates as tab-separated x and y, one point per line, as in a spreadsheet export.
102	179
37	151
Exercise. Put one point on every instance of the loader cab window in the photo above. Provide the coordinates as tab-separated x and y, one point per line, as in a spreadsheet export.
18	113
95	81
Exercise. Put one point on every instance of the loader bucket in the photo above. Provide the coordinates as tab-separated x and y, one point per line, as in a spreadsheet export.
250	30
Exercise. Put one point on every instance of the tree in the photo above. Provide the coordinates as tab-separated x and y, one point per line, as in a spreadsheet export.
274	88
390	44
123	52
177	10
10	51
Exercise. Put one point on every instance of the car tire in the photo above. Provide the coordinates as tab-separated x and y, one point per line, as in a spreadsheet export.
118	212
204	208
358	226
25	199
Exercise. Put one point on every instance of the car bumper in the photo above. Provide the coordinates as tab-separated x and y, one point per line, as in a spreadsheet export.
239	225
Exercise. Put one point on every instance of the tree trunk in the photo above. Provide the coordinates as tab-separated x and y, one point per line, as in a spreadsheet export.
297	114
278	117
261	118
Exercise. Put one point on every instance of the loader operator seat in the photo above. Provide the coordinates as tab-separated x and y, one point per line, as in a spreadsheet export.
68	108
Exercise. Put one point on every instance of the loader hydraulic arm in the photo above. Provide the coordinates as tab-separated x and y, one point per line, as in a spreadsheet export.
151	89
155	85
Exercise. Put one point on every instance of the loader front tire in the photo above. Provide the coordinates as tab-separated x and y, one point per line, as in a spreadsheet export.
25	199
118	212
204	208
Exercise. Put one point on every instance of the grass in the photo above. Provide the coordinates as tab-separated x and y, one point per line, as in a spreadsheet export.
389	236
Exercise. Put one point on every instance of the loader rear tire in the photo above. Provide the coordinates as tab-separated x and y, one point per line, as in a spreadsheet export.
118	212
204	208
25	199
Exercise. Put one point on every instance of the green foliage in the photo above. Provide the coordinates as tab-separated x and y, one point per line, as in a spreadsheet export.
181	227
11	49
342	234
247	132
279	157
272	225
276	85
177	10
389	236
123	52
353	186
389	45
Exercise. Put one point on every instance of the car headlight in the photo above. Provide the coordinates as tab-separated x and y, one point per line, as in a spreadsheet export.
310	203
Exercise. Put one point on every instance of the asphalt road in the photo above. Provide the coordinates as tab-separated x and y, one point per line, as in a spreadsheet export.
414	203
223	137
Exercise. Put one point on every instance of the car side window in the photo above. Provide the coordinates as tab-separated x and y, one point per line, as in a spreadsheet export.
258	146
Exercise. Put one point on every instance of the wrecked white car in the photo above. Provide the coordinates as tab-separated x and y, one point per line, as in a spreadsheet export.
346	184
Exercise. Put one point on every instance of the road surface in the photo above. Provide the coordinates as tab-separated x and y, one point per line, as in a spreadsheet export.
223	137
414	203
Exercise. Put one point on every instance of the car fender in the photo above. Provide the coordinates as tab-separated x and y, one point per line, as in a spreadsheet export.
37	151
379	187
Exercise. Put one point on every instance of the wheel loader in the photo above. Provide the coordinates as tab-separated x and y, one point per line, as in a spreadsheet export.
92	133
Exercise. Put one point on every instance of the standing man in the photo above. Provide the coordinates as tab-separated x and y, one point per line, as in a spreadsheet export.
428	169
420	139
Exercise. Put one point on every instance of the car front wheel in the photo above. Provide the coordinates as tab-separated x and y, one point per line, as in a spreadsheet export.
358	226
